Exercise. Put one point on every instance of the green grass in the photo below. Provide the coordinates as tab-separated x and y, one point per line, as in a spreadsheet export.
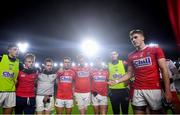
90	109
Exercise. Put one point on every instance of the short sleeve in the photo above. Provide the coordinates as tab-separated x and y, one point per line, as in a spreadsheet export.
159	53
129	61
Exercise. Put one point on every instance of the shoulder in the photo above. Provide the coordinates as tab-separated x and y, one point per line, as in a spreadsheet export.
131	53
154	48
21	66
105	71
1	56
74	68
71	71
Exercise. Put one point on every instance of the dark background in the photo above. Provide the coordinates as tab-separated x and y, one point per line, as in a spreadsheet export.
55	28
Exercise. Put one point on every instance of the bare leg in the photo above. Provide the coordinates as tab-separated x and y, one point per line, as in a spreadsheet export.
39	112
59	110
96	110
139	112
7	111
103	109
82	111
139	109
47	112
68	111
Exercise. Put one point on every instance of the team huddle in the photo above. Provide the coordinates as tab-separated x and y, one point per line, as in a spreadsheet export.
28	90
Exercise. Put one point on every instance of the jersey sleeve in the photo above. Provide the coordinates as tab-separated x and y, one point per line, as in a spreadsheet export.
74	75
159	53
59	73
129	61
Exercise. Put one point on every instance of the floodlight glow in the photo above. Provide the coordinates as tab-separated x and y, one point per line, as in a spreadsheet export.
91	64
36	64
103	63
153	44
73	64
90	47
55	65
23	47
86	64
61	64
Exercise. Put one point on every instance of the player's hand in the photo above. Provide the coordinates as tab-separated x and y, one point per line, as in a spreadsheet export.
112	82
46	99
168	96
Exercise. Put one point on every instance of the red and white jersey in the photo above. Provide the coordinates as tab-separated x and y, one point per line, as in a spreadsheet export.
171	68
99	81
82	79
25	86
146	68
65	84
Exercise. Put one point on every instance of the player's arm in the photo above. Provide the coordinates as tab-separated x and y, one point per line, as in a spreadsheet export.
36	80
126	77
165	76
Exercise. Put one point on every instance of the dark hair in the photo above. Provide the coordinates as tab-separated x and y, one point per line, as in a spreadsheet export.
48	60
10	45
137	31
68	58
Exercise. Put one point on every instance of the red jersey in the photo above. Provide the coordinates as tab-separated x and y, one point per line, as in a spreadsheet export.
65	87
99	81
82	79
146	68
26	84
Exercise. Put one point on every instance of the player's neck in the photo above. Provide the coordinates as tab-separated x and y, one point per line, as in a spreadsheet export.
11	56
114	61
27	67
66	68
141	47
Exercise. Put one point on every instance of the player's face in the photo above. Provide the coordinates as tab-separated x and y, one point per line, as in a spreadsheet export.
28	62
67	63
114	55
137	40
81	60
13	52
48	66
98	62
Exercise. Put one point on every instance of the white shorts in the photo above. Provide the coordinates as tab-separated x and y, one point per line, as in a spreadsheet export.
83	100
64	103
99	100
7	99
152	98
40	105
